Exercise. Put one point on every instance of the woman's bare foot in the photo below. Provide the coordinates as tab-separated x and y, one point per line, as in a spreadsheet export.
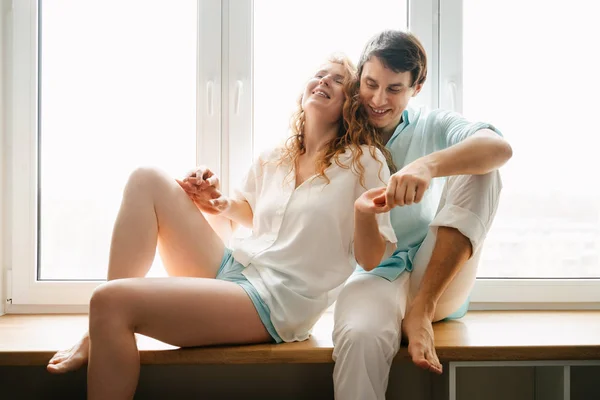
418	331
72	359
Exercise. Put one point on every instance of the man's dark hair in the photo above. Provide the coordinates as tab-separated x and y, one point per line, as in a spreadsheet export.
399	51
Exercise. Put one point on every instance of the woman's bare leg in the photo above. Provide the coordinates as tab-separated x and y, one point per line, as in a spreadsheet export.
180	311
154	210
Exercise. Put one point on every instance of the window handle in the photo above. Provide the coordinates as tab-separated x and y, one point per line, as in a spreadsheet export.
239	85
452	93
209	97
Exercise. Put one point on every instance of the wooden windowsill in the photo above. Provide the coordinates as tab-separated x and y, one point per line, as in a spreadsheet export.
479	336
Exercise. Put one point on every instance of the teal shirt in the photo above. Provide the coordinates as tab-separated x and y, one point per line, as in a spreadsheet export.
418	134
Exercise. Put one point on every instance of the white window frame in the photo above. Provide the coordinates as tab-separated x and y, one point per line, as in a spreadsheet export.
237	110
224	105
22	284
498	293
27	294
4	13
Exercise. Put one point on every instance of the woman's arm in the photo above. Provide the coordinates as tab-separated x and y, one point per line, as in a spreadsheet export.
374	237
238	211
369	244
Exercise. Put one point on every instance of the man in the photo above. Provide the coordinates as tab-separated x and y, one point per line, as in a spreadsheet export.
444	195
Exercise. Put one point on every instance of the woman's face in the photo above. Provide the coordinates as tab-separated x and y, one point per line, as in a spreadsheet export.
324	93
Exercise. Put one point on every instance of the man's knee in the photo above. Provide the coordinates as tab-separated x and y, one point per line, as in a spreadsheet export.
489	184
366	337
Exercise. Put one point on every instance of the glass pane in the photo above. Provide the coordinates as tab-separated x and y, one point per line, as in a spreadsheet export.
118	90
530	69
292	39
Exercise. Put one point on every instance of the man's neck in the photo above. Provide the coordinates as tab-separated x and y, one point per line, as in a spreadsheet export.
386	134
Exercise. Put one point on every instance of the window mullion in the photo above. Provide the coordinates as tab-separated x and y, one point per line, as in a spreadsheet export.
209	83
22	162
423	22
450	83
237	90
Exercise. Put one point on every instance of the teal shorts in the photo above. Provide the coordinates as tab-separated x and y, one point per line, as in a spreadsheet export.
462	311
231	271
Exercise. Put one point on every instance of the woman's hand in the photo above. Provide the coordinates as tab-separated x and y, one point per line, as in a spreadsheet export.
202	187
208	200
372	202
203	177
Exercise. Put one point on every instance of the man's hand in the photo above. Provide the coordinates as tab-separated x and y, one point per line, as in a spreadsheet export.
408	185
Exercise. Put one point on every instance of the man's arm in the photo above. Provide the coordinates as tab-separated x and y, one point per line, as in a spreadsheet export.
479	154
483	152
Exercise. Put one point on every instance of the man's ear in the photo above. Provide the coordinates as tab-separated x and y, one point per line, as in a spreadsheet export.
418	88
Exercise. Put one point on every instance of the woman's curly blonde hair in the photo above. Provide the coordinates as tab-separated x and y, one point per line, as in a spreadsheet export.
354	130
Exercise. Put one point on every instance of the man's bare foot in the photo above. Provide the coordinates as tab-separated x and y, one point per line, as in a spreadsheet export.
418	331
72	359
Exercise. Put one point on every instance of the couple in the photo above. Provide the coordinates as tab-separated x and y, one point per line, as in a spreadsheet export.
327	190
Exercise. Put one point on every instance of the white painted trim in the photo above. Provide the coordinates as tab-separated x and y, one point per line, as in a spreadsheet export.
23	161
450	82
5	15
566	364
47	309
540	363
208	85
452	382
423	16
238	17
22	182
519	291
567	381
22	173
533	306
225	62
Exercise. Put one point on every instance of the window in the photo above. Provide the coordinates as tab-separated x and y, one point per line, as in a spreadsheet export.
530	83
527	68
110	100
215	82
86	109
317	29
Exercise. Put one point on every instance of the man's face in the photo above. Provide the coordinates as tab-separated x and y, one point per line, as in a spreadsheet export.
385	94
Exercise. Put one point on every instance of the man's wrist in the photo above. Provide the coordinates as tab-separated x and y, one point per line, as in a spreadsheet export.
432	163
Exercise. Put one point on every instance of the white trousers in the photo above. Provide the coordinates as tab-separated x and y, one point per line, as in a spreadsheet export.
369	310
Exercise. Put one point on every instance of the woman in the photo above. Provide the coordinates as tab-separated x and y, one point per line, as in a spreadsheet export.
301	200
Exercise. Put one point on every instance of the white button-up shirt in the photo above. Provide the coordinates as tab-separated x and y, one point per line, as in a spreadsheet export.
300	251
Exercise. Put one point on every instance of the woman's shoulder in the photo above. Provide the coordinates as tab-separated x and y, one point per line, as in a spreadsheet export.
269	155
